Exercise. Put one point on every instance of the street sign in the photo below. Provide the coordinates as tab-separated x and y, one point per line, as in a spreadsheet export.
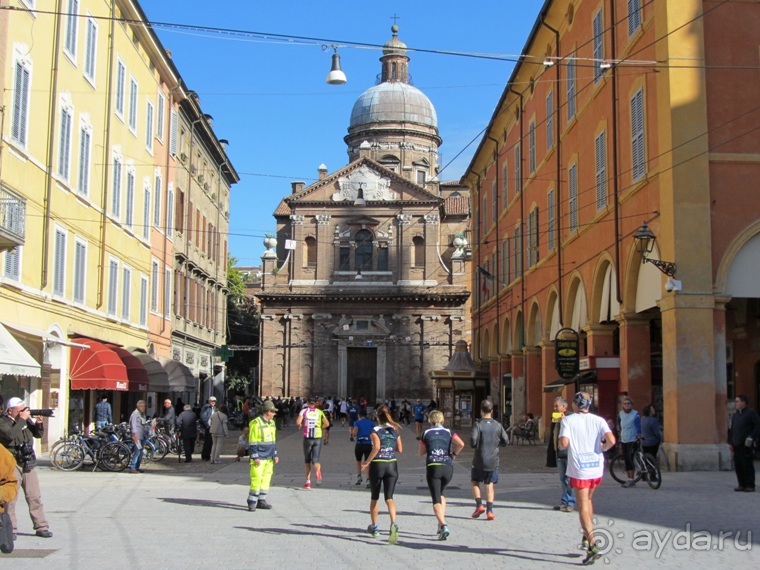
567	353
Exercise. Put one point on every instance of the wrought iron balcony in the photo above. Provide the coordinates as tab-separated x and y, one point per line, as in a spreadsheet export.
12	219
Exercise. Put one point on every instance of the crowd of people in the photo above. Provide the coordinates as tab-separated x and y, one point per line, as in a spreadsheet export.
578	442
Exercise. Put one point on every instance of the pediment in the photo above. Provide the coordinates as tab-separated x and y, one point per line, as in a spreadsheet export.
378	185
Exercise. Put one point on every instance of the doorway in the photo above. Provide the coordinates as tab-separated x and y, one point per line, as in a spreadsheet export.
362	374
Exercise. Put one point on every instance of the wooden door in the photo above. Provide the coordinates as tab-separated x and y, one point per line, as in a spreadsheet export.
362	374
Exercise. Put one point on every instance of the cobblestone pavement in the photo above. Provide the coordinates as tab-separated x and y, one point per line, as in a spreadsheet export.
179	515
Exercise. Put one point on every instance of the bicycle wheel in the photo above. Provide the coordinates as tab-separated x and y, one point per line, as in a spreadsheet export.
149	452
67	457
651	471
162	448
617	468
114	456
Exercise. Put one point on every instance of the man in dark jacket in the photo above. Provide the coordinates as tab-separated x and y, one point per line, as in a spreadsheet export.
169	418
17	433
206	412
187	422
745	431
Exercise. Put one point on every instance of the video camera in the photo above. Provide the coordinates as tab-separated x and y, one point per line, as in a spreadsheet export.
48	413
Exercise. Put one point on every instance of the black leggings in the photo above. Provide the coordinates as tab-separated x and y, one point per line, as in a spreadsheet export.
438	477
383	473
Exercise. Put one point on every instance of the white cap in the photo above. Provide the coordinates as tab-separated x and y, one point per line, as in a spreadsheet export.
14	402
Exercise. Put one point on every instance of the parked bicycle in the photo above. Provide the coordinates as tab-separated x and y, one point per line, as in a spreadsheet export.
98	450
645	467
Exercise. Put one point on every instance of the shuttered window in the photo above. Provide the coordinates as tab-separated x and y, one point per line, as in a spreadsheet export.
20	118
13	264
550	120
80	271
550	221
173	134
634	16
532	147
113	286
573	197
59	263
85	158
601	170
72	27
130	210
121	78
143	301
638	150
116	190
64	143
598	31
571	88
146	212
90	49
126	292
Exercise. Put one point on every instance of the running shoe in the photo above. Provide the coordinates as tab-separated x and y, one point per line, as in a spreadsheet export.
358	480
393	538
443	533
584	544
373	530
369	484
592	555
307	485
490	516
479	510
319	478
628	484
351	438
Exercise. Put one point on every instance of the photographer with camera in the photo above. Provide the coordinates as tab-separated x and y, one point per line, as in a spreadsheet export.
17	432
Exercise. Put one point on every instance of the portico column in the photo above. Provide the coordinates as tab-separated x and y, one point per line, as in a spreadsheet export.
519	398
533	379
635	358
548	375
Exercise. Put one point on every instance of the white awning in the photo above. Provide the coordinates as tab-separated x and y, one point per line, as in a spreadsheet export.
14	359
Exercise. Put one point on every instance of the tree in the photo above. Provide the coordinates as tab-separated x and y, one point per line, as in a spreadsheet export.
242	330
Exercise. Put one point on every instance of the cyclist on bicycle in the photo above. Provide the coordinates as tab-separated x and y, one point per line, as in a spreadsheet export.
629	427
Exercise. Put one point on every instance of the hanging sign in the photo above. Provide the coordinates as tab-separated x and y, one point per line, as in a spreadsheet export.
567	353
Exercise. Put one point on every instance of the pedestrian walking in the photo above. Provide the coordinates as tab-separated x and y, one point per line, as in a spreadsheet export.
17	433
629	428
187	423
138	425
206	412
745	431
567	500
103	413
312	421
219	430
487	435
439	446
585	436
262	445
383	469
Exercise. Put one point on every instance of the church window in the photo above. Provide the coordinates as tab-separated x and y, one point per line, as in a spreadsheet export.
418	251
363	250
382	259
344	263
311	252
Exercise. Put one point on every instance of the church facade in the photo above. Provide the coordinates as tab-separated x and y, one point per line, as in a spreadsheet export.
365	286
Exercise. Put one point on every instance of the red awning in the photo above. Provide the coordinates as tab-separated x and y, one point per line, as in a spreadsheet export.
138	376
97	367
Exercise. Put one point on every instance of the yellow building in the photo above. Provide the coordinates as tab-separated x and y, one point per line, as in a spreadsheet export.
90	126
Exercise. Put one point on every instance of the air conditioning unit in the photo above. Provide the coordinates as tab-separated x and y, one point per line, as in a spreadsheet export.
192	169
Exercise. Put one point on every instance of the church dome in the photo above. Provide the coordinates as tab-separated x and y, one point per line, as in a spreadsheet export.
393	103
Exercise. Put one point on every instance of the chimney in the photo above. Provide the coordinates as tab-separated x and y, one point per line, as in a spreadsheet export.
169	53
322	170
209	120
297	186
225	143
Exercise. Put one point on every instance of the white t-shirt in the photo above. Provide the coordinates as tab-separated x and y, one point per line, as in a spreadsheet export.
585	459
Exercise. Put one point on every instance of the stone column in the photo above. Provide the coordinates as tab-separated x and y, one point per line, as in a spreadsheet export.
381	357
519	398
342	368
599	339
403	248
431	235
533	380
549	374
325	248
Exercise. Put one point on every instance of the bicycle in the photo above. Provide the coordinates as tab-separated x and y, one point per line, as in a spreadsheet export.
645	467
73	453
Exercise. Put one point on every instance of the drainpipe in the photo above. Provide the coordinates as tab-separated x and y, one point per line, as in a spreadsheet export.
479	290
106	161
558	158
498	257
615	187
522	229
51	147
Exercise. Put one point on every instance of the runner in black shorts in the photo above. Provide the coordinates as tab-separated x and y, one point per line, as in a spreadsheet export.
383	469
363	447
436	445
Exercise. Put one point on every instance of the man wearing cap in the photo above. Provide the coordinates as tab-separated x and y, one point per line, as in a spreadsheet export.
262	436
586	437
17	433
311	421
206	412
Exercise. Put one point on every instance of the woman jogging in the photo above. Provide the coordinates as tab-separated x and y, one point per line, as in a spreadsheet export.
383	469
436	444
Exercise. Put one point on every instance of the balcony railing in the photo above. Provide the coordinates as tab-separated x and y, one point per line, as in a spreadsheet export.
12	219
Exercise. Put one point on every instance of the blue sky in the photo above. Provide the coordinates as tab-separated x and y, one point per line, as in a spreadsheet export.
270	100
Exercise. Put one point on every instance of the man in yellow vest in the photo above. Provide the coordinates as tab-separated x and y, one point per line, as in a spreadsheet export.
262	436
311	421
